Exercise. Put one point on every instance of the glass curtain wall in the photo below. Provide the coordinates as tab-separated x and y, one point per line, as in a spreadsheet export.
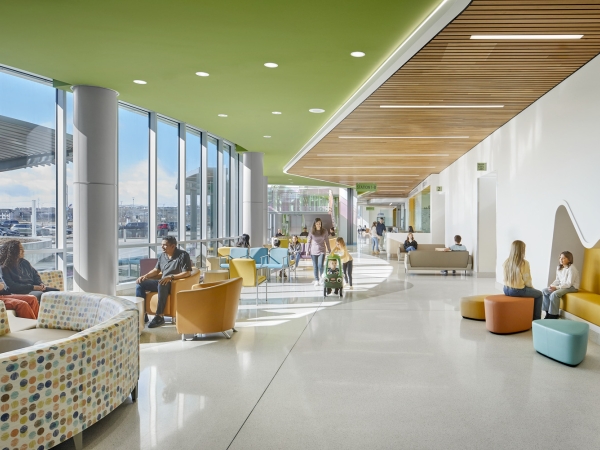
133	197
34	116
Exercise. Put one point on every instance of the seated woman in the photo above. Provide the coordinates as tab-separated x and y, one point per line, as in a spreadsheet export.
410	244
294	249
18	273
25	306
567	280
517	278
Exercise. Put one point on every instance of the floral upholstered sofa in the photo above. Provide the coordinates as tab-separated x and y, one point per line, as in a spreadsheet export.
78	364
52	278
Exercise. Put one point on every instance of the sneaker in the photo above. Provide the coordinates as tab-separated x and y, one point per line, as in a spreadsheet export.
315	283
157	322
349	287
321	281
551	316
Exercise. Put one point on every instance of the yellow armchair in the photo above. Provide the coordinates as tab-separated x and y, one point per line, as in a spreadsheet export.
245	268
208	308
176	287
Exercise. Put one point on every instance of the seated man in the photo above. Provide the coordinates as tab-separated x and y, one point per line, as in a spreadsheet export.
174	264
304	232
279	233
457	247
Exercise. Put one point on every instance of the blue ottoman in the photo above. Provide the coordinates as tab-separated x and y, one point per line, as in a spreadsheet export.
562	340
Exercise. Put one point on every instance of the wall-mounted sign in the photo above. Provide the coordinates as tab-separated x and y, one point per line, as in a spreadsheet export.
481	167
438	188
370	208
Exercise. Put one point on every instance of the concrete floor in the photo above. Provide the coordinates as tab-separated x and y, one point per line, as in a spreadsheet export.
390	365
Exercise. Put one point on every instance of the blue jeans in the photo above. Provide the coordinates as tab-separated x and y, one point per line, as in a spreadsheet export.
551	303
410	249
318	261
528	292
375	243
153	286
294	257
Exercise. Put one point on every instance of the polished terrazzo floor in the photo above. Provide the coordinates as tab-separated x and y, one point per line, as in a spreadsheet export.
391	365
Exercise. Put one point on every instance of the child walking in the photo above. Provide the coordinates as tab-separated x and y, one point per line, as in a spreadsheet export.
340	248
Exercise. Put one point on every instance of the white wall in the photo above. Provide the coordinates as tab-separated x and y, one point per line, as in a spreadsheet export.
485	258
546	155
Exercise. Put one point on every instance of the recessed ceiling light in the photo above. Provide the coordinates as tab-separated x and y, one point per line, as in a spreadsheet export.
439	106
404	137
276	112
202	74
268	137
357	54
222	115
271	65
316	110
526	36
139	82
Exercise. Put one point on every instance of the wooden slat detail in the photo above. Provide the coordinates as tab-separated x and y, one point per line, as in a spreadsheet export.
453	69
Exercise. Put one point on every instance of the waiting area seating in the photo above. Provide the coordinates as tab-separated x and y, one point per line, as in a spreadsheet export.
51	278
422	248
247	270
585	303
432	260
177	286
562	340
209	308
473	307
69	341
506	315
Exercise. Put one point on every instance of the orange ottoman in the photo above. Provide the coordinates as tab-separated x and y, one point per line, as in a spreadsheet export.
505	315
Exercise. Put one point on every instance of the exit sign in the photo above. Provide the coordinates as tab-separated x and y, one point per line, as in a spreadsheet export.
481	167
370	208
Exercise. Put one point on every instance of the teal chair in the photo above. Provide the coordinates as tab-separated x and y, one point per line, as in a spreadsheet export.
235	252
277	259
258	254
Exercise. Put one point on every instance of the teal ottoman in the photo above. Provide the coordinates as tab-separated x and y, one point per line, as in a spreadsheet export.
562	340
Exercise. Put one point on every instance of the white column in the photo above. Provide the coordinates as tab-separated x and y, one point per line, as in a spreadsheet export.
253	193
95	186
265	199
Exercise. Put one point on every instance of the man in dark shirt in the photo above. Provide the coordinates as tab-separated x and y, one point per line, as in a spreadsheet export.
380	231
304	232
174	264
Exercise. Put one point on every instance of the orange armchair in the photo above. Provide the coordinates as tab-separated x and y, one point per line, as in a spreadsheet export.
176	287
208	308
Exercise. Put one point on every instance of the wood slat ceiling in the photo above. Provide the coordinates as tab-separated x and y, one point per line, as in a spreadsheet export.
453	69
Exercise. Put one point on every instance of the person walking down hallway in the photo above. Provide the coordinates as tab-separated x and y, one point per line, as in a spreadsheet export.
380	231
567	280
317	246
517	278
174	264
20	276
374	239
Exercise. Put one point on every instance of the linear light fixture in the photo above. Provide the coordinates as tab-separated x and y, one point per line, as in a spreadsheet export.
367	167
363	175
439	106
527	36
338	155
403	137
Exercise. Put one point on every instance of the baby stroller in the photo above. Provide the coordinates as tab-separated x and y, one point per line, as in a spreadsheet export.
332	276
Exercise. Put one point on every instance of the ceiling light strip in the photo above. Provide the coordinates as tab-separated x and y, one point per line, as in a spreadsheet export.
439	106
527	36
443	14
367	167
403	137
398	155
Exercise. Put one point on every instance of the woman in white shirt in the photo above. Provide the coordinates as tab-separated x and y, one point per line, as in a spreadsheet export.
567	280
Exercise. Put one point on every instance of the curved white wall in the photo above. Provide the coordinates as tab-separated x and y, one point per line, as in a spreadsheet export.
548	154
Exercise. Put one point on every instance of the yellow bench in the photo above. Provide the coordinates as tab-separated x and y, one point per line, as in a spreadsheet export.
585	303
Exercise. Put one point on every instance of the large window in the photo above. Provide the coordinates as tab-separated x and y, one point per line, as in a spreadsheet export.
34	117
133	211
211	187
166	174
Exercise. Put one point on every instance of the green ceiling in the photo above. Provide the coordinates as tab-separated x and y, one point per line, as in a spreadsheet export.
110	43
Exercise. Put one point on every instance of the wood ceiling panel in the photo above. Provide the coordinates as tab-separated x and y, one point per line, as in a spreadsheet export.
453	69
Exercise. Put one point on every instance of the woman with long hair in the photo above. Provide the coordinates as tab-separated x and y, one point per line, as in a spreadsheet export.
410	245
342	250
19	274
517	278
318	240
567	280
374	239
25	306
244	241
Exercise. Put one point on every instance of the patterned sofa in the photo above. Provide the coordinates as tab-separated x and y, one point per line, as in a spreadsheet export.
78	364
52	278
